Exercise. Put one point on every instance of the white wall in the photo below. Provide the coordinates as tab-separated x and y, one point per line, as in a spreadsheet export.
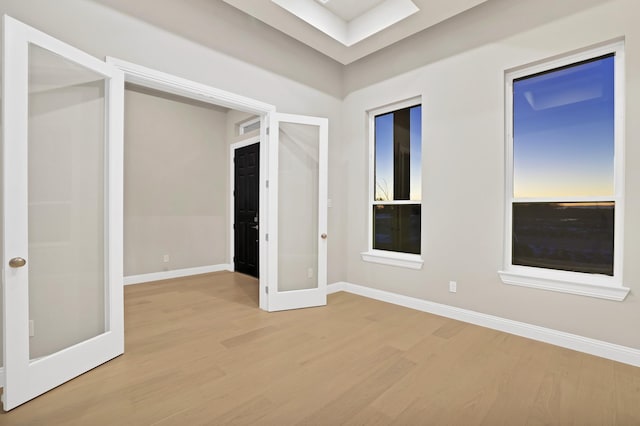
458	69
310	87
463	165
176	183
104	31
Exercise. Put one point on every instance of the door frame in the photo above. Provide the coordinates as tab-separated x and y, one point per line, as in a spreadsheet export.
164	82
232	184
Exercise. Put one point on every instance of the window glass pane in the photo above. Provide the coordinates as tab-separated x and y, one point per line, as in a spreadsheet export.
416	153
249	127
384	157
563	131
398	155
396	227
566	236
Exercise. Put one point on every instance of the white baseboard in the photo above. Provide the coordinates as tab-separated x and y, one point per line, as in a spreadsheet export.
575	342
176	273
336	287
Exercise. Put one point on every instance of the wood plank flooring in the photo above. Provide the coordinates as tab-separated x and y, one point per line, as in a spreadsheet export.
199	351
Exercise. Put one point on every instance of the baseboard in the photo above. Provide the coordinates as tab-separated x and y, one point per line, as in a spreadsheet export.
176	273
336	287
575	342
1	377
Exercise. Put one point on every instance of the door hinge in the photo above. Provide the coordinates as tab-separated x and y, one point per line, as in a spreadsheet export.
266	290
267	130
266	237
267	183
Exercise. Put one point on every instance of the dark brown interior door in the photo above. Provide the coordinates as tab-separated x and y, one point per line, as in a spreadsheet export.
247	200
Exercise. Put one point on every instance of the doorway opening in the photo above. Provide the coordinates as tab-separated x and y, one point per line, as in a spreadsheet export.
246	207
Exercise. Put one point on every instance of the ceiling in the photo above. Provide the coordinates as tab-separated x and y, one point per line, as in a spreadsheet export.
347	30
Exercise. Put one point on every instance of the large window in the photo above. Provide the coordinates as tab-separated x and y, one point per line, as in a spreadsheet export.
565	195
396	183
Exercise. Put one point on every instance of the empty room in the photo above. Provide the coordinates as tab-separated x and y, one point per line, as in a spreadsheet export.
320	212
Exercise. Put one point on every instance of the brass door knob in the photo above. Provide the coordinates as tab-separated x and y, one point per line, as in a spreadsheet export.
17	262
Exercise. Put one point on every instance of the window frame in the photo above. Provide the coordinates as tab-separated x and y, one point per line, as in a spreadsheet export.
586	284
388	257
244	125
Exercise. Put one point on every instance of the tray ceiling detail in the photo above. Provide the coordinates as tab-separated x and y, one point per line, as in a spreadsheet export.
347	30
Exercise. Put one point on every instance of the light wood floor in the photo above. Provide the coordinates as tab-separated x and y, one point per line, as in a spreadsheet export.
199	351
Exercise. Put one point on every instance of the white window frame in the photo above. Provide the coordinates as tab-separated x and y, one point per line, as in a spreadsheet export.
585	284
386	257
242	127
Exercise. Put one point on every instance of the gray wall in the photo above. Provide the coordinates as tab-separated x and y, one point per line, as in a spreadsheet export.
463	164
458	68
303	89
311	87
176	180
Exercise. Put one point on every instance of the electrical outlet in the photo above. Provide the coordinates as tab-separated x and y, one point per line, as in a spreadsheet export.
453	286
32	328
310	273
165	258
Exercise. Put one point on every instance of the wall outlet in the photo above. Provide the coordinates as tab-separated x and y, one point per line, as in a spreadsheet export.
165	258
453	286
310	273
32	328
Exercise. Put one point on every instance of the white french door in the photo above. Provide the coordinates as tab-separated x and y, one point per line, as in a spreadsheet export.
62	225
297	212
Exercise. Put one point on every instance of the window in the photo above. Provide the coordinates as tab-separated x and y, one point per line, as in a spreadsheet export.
249	126
395	134
564	164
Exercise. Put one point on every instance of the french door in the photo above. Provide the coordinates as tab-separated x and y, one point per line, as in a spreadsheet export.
62	224
297	230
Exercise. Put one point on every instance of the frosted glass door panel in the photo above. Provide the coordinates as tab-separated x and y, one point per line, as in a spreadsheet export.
66	202
298	154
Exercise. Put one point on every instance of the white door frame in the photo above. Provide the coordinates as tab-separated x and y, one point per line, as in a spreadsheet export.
232	184
168	83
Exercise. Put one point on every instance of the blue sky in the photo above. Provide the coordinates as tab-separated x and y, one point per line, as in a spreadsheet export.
564	132
384	155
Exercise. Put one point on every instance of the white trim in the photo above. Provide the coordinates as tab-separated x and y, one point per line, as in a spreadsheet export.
168	83
337	287
392	258
176	273
2	377
575	342
232	185
380	17
164	82
242	127
592	285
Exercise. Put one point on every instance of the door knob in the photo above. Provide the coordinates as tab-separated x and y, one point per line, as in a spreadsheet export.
323	236
17	262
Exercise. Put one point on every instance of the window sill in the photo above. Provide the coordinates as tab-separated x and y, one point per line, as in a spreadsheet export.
566	282
402	260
